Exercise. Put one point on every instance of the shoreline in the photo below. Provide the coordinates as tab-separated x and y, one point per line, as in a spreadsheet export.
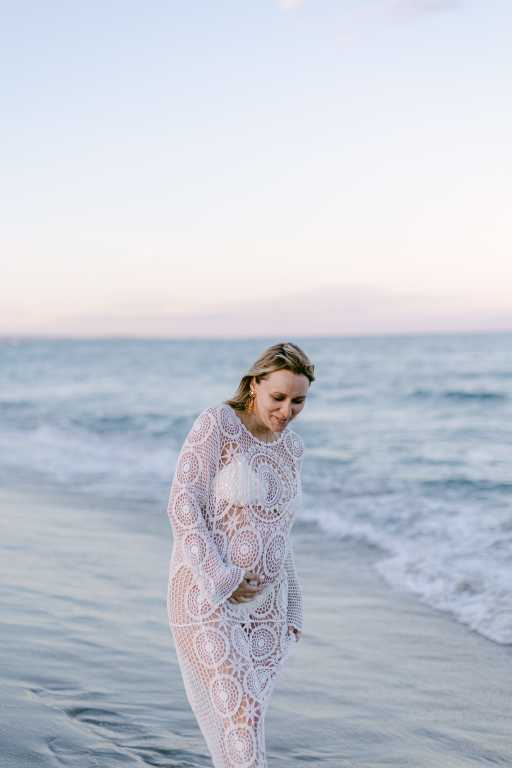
415	686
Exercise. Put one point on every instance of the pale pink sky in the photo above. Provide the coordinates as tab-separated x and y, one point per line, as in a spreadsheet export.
353	174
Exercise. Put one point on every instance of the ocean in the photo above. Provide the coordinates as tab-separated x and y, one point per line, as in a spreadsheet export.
408	444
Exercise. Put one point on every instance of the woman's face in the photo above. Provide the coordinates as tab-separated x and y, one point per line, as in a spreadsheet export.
280	398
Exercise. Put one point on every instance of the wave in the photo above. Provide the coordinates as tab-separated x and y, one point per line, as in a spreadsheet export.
479	395
467	484
31	415
454	562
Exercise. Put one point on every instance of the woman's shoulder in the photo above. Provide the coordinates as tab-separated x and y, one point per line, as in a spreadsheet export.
204	425
296	441
217	412
216	415
214	424
296	436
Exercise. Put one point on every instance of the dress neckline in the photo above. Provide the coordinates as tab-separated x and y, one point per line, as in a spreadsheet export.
261	442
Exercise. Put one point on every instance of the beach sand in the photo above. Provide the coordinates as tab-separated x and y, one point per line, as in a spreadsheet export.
89	676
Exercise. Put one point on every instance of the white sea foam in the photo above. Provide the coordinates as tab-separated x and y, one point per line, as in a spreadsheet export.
456	560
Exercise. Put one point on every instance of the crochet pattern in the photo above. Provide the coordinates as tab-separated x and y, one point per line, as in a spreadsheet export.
232	504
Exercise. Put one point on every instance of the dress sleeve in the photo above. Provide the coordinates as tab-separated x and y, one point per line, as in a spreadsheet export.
295	601
295	607
189	503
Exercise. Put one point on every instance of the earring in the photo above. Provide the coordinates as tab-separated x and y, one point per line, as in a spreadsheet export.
252	398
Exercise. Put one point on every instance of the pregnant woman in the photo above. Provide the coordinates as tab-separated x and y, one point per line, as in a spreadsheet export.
234	600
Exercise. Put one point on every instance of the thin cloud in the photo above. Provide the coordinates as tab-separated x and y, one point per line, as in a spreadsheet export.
422	6
290	5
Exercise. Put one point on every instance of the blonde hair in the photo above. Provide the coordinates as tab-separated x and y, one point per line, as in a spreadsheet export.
279	357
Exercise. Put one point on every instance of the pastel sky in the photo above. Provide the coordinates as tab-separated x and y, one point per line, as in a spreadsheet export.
245	168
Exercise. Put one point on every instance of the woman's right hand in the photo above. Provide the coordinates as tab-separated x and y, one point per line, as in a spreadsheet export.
248	589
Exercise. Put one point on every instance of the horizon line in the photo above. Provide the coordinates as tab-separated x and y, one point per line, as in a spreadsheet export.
144	337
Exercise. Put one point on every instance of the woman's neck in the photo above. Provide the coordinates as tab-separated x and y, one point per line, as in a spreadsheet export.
254	425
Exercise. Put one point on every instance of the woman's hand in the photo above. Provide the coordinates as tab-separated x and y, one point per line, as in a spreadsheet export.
293	631
248	589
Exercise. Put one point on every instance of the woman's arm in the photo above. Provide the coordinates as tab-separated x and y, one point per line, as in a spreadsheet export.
187	510
295	601
295	604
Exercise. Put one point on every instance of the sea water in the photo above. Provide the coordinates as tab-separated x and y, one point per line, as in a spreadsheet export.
408	444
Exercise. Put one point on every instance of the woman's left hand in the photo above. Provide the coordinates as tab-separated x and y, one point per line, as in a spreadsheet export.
296	632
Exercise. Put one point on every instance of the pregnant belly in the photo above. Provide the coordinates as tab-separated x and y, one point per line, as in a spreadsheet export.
264	555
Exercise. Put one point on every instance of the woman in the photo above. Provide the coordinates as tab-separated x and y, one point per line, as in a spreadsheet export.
234	600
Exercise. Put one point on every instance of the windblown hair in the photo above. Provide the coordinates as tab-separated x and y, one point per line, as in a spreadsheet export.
279	357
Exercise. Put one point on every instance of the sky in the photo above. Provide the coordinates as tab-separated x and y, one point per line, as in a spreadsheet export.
251	168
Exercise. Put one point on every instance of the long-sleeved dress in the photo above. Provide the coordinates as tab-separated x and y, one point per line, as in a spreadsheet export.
232	504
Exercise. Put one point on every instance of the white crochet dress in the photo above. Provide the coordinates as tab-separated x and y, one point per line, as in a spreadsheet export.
232	504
